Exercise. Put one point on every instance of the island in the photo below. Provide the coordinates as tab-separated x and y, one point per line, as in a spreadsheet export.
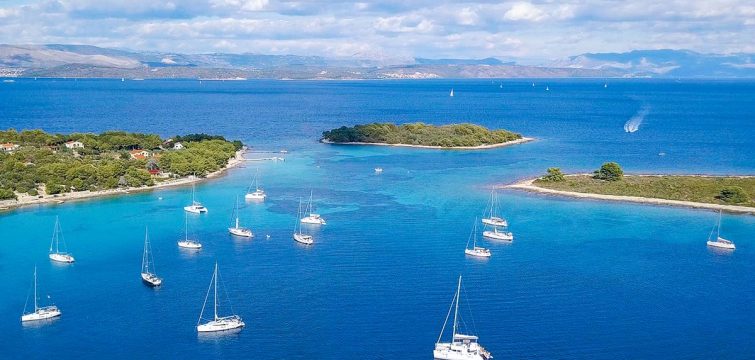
38	167
727	193
454	136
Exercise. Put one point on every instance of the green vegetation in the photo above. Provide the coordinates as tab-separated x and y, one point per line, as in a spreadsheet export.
553	174
449	136
610	171
44	165
702	189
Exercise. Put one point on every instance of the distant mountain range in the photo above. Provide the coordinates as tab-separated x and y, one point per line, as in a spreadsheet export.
84	61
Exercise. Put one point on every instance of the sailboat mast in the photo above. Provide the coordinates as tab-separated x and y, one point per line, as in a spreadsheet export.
215	277
186	227
35	289
718	228
456	310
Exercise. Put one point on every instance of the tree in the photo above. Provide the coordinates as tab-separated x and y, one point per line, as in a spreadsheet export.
554	175
610	171
734	195
7	194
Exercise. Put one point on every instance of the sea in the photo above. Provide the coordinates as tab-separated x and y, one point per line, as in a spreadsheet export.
583	279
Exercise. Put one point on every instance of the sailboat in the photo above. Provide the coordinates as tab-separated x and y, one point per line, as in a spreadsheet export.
195	207
498	235
238	230
492	217
312	218
57	255
452	93
186	243
258	193
475	250
148	272
39	313
298	235
461	347
547	88
218	323
719	242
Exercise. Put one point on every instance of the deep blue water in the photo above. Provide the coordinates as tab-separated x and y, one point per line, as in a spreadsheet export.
583	279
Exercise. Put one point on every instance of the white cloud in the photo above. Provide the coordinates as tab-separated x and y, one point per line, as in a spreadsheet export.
525	11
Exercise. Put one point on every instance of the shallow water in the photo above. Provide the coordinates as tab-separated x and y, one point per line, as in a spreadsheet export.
583	279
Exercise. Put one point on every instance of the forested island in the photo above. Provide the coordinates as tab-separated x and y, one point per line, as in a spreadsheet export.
733	193
34	163
454	136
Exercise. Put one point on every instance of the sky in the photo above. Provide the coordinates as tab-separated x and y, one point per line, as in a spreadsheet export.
389	29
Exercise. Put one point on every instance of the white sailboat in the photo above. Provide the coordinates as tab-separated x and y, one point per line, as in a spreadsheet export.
719	242
237	230
186	243
498	235
461	347
218	323
491	214
378	170
258	194
298	235
452	93
148	272
57	255
39	313
312	218
195	207
475	250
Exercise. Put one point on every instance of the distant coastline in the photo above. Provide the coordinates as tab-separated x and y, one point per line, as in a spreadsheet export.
479	147
528	185
28	200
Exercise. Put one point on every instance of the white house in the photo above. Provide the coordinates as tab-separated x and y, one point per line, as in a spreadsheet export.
178	146
9	147
74	145
139	154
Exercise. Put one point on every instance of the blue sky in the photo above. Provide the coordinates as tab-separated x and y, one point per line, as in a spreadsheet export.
390	29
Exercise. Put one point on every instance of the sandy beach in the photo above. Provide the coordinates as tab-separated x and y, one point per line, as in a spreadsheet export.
27	200
481	147
527	185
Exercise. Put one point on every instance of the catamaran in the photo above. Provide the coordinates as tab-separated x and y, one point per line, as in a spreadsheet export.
258	193
39	313
186	243
461	347
312	218
491	213
498	235
148	272
57	255
195	207
218	323
719	242
237	230
475	250
298	235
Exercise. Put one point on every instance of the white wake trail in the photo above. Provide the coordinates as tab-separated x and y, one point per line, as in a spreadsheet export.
634	123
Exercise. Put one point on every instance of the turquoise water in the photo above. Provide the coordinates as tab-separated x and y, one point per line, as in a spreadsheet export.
583	279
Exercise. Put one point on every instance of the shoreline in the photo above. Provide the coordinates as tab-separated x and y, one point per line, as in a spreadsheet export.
527	185
479	147
28	200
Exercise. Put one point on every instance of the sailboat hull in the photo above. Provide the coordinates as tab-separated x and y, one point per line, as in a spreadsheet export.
221	324
721	245
151	280
304	239
313	219
506	236
495	222
478	252
242	232
44	313
189	244
64	258
457	351
255	196
194	209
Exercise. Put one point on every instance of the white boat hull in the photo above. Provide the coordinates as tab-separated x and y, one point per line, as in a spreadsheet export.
221	324
242	232
459	351
195	209
151	279
495	235
64	258
304	239
722	245
255	196
495	222
313	219
44	313
189	244
478	252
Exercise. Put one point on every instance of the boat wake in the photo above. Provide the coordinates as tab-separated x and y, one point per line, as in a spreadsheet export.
634	123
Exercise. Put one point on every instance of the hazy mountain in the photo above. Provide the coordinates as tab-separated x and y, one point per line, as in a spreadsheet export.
665	63
57	60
